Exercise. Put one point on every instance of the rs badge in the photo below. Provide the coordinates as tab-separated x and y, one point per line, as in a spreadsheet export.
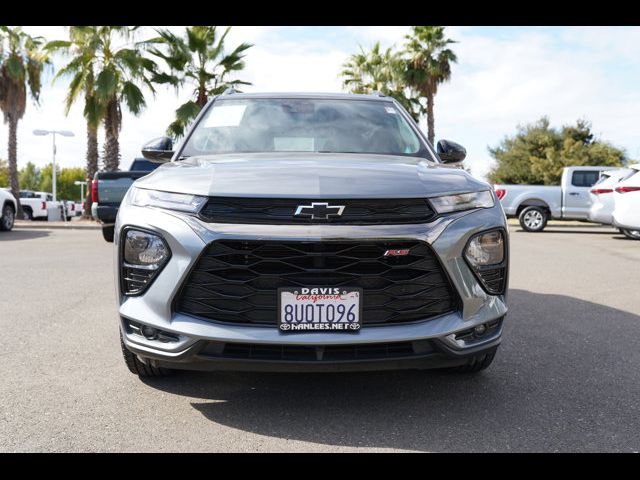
396	253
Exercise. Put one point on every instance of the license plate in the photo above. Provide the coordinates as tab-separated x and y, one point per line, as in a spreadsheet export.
319	309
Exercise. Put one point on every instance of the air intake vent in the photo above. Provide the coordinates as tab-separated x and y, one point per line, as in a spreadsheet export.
237	281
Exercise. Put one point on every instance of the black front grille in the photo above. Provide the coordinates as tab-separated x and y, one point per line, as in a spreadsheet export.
313	353
282	211
236	281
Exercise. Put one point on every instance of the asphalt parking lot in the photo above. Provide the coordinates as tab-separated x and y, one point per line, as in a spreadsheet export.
566	377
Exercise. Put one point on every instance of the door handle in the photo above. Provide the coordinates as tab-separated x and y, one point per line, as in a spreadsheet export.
574	194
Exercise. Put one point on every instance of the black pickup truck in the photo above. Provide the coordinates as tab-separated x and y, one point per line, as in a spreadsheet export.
109	188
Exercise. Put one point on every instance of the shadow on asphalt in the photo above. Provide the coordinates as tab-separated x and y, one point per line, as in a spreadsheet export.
23	234
565	379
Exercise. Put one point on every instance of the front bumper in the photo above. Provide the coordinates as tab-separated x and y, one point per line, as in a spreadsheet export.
187	236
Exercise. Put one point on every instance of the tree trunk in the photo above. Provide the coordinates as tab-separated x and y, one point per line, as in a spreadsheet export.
202	99
92	165
430	121
111	143
13	163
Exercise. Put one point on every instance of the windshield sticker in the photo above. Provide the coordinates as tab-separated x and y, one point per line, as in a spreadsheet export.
390	110
225	116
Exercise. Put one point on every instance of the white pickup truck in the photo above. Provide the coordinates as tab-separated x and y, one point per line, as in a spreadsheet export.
36	205
534	205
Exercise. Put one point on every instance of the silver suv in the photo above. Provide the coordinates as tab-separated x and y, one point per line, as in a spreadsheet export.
309	232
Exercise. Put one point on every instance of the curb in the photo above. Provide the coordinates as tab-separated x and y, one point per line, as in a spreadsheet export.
47	226
568	225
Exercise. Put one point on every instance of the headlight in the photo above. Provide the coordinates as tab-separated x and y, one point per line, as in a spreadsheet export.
486	249
145	249
486	255
462	201
143	256
142	197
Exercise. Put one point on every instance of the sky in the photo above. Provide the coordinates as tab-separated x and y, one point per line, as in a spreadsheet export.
504	77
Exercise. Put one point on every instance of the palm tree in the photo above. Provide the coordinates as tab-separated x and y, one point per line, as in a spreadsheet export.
371	71
119	70
82	47
197	58
22	61
428	65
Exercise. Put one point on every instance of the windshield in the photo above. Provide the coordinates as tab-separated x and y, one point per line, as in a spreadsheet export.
303	125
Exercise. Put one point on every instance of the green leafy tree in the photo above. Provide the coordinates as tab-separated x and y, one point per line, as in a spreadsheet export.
120	67
4	174
197	58
22	62
428	64
65	178
82	49
382	71
538	153
30	177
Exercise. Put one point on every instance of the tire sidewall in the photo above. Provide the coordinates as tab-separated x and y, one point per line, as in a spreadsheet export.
7	214
627	233
107	233
542	226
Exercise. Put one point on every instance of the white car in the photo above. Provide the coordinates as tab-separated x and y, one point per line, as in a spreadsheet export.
626	214
8	209
601	194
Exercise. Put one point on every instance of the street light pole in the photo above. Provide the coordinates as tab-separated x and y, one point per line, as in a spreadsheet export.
64	133
82	184
55	183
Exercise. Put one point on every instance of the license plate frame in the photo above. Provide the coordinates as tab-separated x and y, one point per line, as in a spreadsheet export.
311	327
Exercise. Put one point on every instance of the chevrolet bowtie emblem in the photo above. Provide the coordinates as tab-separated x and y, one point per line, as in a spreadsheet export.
319	211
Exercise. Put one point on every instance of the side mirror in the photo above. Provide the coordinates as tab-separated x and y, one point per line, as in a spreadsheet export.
450	152
158	150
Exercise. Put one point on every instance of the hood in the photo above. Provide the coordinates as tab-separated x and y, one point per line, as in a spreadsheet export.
310	175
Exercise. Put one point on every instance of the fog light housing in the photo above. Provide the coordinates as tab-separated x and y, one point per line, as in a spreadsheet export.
149	333
480	330
486	254
143	255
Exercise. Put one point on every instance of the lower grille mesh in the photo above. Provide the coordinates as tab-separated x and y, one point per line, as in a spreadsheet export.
236	281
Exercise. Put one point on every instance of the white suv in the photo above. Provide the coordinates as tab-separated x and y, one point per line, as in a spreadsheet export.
8	209
626	215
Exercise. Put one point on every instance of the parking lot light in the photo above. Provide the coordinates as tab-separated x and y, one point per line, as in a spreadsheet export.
64	133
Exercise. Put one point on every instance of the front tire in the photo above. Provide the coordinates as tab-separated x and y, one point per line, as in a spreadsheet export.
107	233
27	213
632	234
533	219
136	367
478	362
8	218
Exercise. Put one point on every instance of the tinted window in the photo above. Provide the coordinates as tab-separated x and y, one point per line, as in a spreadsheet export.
303	125
584	178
